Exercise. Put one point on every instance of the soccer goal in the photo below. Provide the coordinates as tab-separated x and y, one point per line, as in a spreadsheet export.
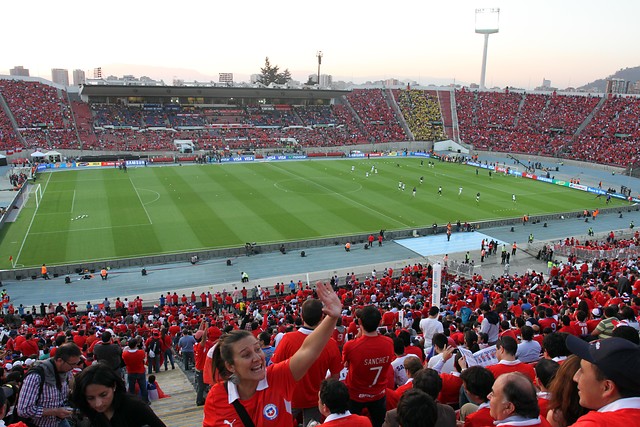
37	190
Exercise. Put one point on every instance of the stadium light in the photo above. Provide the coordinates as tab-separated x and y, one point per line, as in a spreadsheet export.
486	23
319	55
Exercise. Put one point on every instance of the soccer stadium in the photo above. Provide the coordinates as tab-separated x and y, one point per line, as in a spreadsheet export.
159	217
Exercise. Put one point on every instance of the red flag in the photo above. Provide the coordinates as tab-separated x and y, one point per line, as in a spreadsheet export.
10	258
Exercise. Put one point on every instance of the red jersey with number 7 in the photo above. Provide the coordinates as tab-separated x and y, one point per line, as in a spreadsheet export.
368	360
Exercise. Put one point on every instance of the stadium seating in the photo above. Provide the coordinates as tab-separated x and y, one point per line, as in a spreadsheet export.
584	128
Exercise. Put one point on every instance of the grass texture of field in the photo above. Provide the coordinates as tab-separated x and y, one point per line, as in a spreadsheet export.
98	214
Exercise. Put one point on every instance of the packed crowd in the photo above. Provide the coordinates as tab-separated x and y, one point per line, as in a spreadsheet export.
387	338
550	125
547	124
376	116
421	111
42	113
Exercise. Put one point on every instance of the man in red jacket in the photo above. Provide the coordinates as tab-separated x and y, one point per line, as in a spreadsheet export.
133	358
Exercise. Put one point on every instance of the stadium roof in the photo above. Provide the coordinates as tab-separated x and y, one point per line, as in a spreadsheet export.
208	92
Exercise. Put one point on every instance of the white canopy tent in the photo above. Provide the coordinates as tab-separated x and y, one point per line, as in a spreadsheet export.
37	154
53	156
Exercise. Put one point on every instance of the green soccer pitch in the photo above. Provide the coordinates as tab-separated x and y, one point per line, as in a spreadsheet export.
98	214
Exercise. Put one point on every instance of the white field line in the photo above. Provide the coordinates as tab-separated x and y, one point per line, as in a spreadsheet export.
142	204
73	201
15	260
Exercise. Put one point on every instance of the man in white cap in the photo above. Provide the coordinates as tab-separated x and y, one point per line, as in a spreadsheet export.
608	381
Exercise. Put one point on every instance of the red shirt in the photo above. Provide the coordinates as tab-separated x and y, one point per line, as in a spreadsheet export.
450	392
134	361
502	368
79	340
482	417
351	420
266	408
621	417
306	391
393	396
548	322
368	359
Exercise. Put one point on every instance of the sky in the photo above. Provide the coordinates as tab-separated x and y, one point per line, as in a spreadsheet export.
569	42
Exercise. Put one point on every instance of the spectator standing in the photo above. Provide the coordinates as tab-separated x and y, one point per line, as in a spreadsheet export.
167	348
305	396
429	327
203	344
107	352
185	346
134	357
368	359
154	351
490	323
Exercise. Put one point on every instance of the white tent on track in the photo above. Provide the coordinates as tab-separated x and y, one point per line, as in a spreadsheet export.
37	154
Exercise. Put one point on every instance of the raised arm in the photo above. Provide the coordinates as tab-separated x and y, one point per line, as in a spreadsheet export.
311	348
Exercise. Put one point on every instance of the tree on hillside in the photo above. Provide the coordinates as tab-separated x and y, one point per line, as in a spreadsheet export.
271	74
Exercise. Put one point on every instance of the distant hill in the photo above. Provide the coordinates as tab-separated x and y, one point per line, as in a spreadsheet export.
630	74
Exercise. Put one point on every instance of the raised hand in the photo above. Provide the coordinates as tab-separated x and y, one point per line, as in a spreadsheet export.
332	305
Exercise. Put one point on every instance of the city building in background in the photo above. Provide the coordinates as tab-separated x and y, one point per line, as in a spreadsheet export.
79	77
617	86
60	76
19	70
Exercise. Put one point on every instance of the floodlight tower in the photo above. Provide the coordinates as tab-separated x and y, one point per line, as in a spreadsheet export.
319	55
486	23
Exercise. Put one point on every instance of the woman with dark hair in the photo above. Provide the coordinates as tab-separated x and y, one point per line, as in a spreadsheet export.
471	341
564	406
100	395
252	393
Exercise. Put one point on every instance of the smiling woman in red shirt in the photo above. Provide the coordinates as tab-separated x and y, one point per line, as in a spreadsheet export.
253	391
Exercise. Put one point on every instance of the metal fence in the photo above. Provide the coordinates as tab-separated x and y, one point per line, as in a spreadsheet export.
587	254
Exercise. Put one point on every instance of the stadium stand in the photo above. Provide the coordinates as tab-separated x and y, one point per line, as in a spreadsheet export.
580	127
